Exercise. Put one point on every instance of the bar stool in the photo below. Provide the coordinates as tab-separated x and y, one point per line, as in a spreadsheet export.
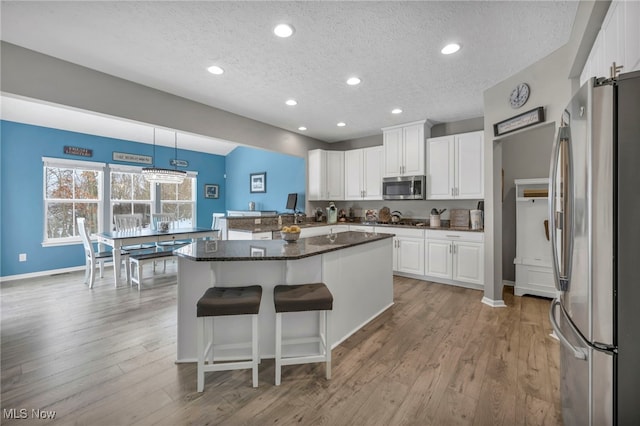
223	301
301	298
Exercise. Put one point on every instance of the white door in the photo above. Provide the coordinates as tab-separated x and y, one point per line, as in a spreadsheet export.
438	258
335	175
469	166
372	173
440	168
468	262
413	150
353	174
394	262
392	143
411	255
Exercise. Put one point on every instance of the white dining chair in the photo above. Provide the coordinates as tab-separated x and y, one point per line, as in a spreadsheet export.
215	224
156	219
130	223
97	258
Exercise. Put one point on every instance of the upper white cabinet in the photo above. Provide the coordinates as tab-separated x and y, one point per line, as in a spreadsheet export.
326	175
404	149
618	41
363	173
455	166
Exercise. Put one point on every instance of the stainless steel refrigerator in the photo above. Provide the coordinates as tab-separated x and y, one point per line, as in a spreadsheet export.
594	215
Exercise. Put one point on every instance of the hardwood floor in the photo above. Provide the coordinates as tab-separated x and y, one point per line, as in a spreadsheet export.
437	357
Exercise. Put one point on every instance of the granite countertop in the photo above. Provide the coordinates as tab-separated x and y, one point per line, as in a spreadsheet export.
236	250
250	227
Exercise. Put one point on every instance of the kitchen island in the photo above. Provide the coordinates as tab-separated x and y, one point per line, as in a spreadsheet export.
355	266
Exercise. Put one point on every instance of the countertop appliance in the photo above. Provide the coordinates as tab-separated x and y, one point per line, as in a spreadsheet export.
404	188
593	190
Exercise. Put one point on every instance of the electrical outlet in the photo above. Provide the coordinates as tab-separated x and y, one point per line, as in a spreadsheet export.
258	221
22	257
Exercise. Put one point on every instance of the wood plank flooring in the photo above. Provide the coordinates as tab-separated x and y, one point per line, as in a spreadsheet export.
437	357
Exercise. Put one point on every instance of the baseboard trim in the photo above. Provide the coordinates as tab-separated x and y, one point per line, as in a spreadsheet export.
43	273
494	303
509	283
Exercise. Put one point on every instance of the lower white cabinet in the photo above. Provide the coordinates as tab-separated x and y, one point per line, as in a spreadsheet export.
248	235
455	255
408	249
314	231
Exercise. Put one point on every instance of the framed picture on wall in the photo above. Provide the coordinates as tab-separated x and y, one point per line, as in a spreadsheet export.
258	182
211	191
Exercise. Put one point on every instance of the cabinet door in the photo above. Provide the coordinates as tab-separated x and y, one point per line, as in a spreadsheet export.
438	258
316	160
413	150
353	164
440	168
468	262
411	255
335	175
373	161
632	35
392	143
469	166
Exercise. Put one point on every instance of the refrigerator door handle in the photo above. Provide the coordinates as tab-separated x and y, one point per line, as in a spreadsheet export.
579	353
558	219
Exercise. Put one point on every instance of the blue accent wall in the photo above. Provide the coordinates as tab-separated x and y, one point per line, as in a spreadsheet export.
285	174
21	179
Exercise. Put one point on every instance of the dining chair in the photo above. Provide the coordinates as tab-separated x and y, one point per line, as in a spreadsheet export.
131	223
156	219
215	224
97	258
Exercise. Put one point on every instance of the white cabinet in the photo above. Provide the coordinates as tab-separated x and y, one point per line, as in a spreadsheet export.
363	173
408	249
618	41
404	149
314	231
326	175
533	249
361	228
248	235
455	166
455	255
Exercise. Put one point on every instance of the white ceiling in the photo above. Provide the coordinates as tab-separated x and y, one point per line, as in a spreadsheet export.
393	46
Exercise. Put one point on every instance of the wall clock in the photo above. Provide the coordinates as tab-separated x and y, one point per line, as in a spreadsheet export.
519	95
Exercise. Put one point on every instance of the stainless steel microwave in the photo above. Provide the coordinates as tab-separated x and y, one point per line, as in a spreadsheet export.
404	188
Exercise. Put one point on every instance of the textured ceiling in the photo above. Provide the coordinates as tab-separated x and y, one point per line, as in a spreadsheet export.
393	46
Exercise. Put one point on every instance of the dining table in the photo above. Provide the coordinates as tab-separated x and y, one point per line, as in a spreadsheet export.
118	239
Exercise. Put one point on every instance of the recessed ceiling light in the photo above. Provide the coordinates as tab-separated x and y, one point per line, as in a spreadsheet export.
214	69
291	102
341	124
396	111
450	48
353	81
302	128
283	30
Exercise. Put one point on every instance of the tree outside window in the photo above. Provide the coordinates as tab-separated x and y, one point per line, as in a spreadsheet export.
179	199
71	192
130	193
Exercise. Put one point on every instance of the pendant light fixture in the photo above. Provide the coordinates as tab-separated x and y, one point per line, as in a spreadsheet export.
159	175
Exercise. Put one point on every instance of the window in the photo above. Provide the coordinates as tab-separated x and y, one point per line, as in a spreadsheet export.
180	199
130	193
72	189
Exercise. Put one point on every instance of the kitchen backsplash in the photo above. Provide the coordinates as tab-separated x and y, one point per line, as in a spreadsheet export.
409	209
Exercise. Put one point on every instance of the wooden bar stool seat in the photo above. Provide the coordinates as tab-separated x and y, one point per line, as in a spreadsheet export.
302	298
224	301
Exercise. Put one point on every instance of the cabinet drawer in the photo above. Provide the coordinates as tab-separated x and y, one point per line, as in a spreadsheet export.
401	232
455	235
